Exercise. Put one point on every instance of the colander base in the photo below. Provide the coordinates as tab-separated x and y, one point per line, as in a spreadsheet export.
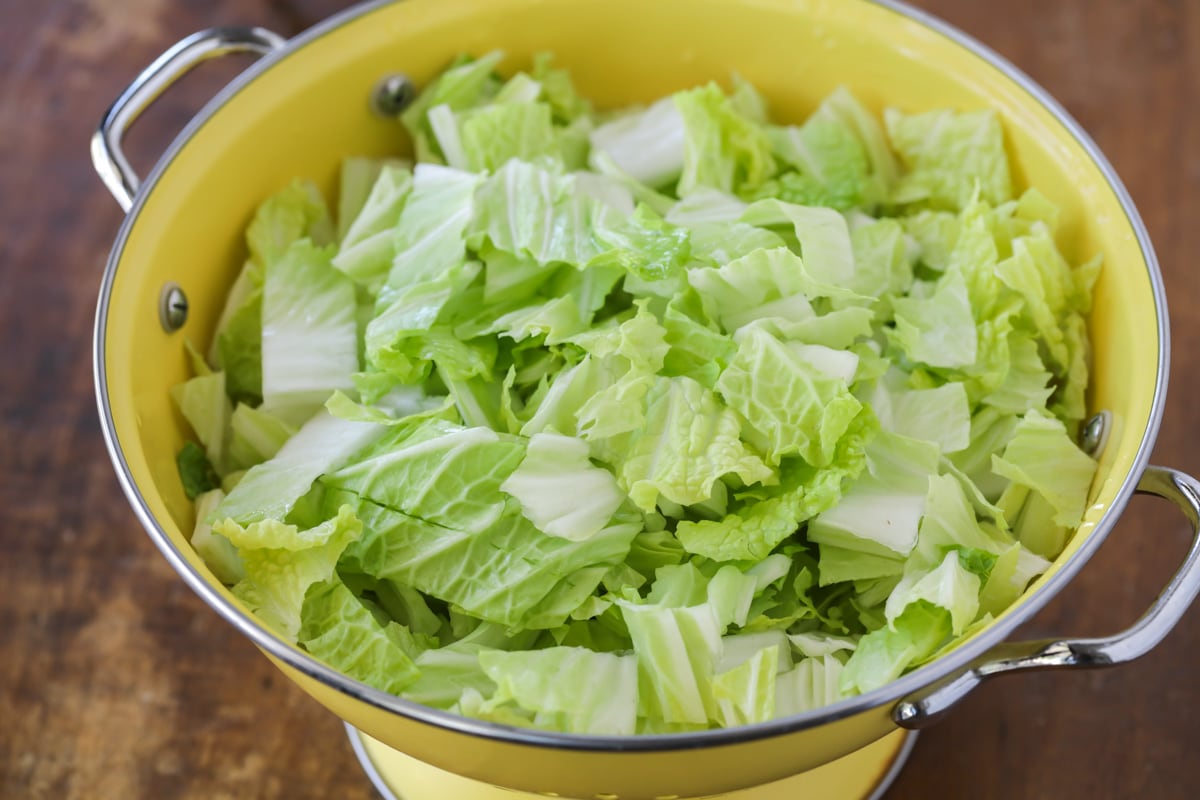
865	774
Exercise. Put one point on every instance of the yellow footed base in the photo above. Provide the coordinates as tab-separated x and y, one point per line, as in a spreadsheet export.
863	775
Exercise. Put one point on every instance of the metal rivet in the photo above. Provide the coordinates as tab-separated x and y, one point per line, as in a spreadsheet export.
172	307
392	94
1094	433
905	712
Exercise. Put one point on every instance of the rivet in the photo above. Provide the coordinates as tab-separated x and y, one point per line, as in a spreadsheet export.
906	712
1094	433
172	307
392	94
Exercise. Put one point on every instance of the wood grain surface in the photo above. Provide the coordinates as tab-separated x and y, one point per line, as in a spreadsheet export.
117	682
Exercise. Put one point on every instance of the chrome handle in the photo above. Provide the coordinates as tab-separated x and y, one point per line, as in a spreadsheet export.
925	706
107	155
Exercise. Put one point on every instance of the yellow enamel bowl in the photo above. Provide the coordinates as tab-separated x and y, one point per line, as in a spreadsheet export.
304	106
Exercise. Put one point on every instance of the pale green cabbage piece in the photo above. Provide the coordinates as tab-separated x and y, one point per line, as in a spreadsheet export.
883	654
793	406
687	441
256	435
575	689
309	331
356	181
937	328
218	553
368	245
271	489
647	145
205	404
677	649
296	212
762	517
339	629
560	490
948	585
1041	457
722	147
941	414
813	683
879	514
950	157
746	693
282	562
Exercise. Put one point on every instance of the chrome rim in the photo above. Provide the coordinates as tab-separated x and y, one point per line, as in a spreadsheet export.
942	667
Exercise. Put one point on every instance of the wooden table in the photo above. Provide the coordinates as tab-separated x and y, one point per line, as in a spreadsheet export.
115	681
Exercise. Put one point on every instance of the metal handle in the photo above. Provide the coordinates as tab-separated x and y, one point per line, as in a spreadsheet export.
107	155
927	705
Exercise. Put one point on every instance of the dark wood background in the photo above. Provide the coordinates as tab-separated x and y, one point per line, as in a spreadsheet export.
115	681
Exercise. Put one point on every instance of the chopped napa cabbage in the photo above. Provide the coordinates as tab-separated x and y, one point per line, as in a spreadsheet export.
645	420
